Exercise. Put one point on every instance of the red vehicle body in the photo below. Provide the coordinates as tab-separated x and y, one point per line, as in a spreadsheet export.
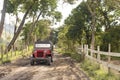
42	52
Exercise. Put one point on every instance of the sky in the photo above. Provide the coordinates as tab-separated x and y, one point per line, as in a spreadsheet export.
1	3
64	8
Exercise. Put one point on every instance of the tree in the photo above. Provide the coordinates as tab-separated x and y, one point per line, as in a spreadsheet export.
19	30
3	17
91	5
12	8
87	20
112	36
69	1
43	5
105	8
41	31
79	22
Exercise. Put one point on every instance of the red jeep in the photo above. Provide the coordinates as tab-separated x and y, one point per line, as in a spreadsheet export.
42	52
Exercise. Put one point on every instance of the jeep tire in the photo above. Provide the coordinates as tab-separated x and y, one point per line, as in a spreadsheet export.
32	62
49	61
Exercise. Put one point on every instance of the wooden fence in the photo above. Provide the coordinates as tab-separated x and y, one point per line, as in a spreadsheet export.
96	56
22	51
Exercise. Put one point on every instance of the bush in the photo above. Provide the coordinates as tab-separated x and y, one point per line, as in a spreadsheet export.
93	70
67	54
76	56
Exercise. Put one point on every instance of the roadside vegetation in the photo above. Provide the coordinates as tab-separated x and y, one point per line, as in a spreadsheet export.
96	23
92	69
95	72
38	16
15	54
92	22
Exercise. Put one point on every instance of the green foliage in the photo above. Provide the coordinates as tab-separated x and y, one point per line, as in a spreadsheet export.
105	76
53	36
41	31
70	1
12	5
62	39
57	15
112	36
78	28
47	5
80	24
76	57
93	70
26	37
91	67
10	56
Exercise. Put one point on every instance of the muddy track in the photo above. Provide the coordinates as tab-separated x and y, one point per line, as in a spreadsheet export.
63	68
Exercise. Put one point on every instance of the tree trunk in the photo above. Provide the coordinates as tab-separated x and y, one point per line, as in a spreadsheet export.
3	17
15	29
19	29
33	26
92	12
93	34
106	19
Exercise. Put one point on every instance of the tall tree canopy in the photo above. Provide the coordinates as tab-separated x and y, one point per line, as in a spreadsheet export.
31	7
91	21
41	31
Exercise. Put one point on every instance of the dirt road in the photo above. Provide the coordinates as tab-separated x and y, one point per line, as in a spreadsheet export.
63	68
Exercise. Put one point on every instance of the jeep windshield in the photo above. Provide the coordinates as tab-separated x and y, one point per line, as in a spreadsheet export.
43	44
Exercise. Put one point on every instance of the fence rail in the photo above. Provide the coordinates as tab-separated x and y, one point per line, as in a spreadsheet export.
89	53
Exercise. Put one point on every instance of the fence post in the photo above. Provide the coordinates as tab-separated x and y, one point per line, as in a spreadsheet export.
23	50
28	47
98	55
26	50
91	53
15	50
11	51
84	52
109	57
7	55
22	47
1	54
87	50
82	48
109	50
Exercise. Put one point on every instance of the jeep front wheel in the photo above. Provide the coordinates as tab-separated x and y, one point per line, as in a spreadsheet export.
32	62
49	61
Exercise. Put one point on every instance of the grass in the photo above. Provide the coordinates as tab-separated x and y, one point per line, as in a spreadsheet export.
92	69
76	56
73	54
10	56
96	73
